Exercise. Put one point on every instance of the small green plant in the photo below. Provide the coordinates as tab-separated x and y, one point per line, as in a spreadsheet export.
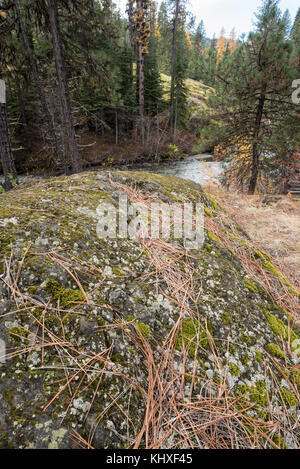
173	151
108	162
13	181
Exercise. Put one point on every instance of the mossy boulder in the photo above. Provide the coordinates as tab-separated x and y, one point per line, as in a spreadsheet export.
78	316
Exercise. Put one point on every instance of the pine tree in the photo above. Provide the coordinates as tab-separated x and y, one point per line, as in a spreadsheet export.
70	136
178	96
232	43
199	38
211	61
39	87
197	69
126	88
164	28
180	90
255	91
295	35
153	85
141	27
296	26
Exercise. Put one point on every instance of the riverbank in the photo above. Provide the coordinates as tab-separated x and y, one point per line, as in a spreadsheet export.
98	150
200	168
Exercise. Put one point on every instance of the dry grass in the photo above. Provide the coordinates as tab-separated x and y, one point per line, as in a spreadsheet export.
274	227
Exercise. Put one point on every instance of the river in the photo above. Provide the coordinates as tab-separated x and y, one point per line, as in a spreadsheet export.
202	169
199	168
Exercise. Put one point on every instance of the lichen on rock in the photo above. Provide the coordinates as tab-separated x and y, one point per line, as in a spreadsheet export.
80	317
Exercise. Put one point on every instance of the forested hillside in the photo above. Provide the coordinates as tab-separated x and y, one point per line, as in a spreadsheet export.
87	86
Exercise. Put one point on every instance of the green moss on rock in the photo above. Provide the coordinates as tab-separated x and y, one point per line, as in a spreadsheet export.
272	269
226	319
296	377
246	339
144	329
234	369
288	397
192	334
250	285
256	393
281	329
279	441
66	296
275	350
32	290
259	356
59	216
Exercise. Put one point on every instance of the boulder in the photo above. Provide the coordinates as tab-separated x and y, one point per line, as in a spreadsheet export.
105	338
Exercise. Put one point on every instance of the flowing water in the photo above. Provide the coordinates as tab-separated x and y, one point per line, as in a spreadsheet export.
201	169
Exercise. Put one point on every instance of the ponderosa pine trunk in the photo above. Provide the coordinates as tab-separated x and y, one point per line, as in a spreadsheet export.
141	62
7	161
255	149
130	10
173	71
22	111
141	89
38	85
70	136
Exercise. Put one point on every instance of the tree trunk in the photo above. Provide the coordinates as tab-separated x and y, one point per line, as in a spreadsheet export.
131	38
39	88
173	65
255	151
22	111
63	87
117	128
254	170
7	160
141	89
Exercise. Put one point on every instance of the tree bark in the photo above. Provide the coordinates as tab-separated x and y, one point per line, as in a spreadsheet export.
131	37
254	170
39	88
22	111
63	87
173	64
8	165
255	151
141	89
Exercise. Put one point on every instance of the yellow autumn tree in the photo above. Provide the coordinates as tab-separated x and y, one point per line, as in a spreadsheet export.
189	40
221	45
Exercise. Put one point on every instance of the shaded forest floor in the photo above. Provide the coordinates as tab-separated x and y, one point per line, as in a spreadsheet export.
275	226
104	150
107	146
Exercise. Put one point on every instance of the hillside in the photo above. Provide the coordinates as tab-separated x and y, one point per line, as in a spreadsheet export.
198	93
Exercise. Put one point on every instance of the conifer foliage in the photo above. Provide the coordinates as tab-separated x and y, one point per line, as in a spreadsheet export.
254	95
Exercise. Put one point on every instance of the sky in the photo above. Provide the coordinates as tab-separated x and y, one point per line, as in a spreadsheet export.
238	14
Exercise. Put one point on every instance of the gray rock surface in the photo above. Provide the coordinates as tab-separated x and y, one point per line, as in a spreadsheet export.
76	362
